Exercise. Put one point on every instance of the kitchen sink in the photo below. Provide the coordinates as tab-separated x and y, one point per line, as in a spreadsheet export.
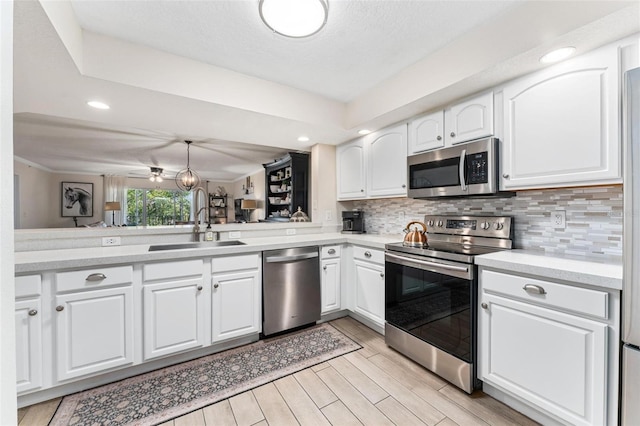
206	244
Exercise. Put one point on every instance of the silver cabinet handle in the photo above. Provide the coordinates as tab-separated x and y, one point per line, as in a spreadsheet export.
362	190
59	308
404	185
216	285
484	306
33	312
453	135
534	289
463	157
505	175
96	277
331	251
324	267
367	254
381	274
199	288
439	138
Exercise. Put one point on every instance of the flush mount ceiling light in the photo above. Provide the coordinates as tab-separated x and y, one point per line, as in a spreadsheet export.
557	55
156	174
187	179
98	105
364	132
303	139
294	18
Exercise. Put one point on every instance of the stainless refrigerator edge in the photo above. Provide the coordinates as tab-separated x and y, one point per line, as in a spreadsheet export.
630	410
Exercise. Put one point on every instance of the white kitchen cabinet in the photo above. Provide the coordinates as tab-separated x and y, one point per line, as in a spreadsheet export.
426	133
470	119
350	167
236	296
94	331
28	317
548	347
386	172
330	279
374	166
173	307
369	284
561	125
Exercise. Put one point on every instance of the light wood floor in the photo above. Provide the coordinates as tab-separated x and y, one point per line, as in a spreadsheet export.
372	386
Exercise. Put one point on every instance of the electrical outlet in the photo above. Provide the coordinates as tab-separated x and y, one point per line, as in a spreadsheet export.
328	216
559	219
235	234
291	232
401	216
110	241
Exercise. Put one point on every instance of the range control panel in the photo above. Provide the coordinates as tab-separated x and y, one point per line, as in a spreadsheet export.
484	226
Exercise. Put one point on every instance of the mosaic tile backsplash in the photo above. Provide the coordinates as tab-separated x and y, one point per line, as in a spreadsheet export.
593	225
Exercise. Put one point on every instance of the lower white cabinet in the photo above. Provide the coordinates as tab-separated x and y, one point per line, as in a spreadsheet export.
330	270
236	296
28	317
369	284
535	349
94	331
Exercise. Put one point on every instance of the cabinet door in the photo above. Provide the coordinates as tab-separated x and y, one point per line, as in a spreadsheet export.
561	125
426	133
173	317
236	304
387	162
28	345
553	360
330	279
469	120
94	331
369	291
350	167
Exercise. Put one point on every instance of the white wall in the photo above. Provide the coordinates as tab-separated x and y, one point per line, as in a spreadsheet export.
8	404
35	196
324	208
258	194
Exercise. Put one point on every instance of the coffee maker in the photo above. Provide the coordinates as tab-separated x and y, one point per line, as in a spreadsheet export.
353	222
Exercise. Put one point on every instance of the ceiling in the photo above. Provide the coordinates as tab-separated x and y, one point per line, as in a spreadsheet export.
211	72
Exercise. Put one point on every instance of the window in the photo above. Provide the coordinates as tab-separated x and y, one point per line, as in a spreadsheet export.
156	207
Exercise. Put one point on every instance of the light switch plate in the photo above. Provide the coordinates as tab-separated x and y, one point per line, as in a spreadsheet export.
291	232
110	241
235	234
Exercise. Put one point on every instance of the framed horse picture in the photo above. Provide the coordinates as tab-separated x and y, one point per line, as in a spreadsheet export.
77	199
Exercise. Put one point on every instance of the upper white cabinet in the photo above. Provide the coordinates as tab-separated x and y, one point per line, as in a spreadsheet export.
561	125
426	133
374	166
469	120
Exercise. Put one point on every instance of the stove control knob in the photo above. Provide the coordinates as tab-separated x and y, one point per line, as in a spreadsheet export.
497	226
485	225
430	223
440	223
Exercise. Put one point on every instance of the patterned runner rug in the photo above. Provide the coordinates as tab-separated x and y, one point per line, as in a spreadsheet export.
170	392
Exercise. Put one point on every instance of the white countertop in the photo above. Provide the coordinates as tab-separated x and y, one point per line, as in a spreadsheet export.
587	271
43	260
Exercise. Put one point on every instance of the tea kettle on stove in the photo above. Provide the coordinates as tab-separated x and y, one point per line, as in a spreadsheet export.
415	237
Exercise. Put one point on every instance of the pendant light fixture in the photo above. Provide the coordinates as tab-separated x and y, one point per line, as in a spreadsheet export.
294	18
156	174
187	179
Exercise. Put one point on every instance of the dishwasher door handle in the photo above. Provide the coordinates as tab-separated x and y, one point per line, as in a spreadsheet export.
280	259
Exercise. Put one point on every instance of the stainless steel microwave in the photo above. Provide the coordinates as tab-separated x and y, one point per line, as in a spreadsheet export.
469	169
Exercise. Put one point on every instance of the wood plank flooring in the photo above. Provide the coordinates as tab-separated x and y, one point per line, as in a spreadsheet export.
373	386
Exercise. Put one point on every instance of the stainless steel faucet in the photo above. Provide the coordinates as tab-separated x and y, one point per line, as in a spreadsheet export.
198	210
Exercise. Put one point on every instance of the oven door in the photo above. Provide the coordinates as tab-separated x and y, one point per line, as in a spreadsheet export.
433	300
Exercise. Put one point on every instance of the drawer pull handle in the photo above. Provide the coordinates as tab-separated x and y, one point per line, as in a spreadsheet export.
367	254
59	308
324	267
534	289
484	306
331	251
381	274
96	277
216	285
199	288
33	312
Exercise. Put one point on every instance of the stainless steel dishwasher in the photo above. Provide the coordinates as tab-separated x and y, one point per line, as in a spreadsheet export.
290	288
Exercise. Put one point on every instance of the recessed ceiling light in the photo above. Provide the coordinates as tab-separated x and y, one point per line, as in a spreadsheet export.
557	55
294	18
98	105
303	139
364	131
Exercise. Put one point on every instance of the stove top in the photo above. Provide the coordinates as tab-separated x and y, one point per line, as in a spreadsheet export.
461	238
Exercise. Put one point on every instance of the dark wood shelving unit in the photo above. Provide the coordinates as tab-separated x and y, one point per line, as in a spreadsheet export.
287	187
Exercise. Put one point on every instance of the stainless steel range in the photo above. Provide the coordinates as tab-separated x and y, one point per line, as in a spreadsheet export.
432	292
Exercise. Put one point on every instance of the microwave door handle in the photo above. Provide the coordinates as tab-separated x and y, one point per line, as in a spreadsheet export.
463	157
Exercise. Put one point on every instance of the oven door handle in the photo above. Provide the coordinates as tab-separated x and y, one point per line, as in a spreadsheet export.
463	158
444	266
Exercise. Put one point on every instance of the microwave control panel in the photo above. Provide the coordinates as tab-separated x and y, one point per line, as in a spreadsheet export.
477	168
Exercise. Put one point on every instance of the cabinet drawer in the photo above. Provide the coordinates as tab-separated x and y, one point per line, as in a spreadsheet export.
561	296
235	263
28	285
169	270
330	251
93	278
368	254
